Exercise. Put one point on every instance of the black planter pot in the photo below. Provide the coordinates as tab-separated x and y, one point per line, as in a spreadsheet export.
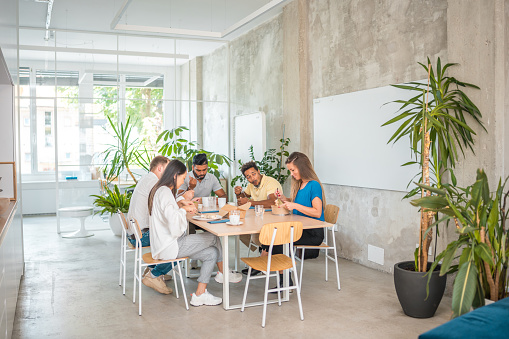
411	289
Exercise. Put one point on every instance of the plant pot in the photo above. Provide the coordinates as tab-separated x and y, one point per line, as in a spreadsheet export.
115	225
411	289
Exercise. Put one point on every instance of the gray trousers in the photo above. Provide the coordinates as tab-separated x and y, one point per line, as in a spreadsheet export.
205	247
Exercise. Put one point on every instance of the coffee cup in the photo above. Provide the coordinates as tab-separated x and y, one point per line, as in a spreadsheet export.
235	217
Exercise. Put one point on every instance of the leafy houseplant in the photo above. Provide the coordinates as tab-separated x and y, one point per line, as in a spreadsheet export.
271	164
176	146
111	201
125	153
482	244
435	122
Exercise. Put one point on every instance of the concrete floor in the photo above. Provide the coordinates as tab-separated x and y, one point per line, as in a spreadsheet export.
70	290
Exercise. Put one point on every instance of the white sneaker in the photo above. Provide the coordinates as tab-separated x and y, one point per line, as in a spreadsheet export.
233	277
205	299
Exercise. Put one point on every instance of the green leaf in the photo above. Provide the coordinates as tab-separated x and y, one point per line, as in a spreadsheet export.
464	288
484	252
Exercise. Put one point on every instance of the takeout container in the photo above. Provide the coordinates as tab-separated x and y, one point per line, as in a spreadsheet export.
279	210
226	209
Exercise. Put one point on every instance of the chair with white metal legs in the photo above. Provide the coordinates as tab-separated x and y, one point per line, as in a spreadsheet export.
279	233
146	259
331	216
125	247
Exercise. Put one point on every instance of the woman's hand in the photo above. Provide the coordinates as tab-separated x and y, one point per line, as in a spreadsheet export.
189	208
290	205
280	195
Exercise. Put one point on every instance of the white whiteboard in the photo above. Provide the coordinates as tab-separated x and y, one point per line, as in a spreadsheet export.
249	130
350	146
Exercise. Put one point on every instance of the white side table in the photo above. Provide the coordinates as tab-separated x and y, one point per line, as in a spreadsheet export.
81	212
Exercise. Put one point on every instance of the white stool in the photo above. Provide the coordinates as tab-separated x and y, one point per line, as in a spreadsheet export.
81	212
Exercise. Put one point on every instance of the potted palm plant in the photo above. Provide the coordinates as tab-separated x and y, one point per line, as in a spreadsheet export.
111	201
435	121
482	244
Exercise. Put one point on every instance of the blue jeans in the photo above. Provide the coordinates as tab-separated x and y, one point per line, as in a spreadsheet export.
157	270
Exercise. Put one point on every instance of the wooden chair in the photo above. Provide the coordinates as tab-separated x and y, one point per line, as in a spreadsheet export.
146	260
125	247
280	233
331	216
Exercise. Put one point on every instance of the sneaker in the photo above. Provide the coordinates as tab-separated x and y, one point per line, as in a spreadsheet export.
253	271
205	299
157	284
234	277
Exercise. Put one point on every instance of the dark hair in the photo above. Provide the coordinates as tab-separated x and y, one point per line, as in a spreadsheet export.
200	159
168	179
248	165
158	160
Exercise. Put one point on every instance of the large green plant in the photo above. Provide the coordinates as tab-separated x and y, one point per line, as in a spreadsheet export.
435	121
126	152
175	145
271	164
482	245
112	200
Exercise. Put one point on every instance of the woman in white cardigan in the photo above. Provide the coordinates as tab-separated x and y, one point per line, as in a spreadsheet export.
168	238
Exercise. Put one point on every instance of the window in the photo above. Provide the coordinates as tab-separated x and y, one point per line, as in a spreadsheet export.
47	129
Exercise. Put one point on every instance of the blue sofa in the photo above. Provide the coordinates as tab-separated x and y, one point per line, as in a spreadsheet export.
490	321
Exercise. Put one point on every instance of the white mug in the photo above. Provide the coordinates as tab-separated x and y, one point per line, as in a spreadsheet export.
221	202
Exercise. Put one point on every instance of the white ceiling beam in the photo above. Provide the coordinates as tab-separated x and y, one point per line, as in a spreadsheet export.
251	17
166	30
120	13
101	51
198	33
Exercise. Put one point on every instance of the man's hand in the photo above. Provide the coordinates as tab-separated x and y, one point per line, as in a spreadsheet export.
242	201
188	195
238	190
192	183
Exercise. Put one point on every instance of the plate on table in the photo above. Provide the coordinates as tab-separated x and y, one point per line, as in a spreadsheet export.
207	217
229	223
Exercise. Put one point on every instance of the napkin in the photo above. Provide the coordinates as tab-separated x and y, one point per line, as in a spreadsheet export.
218	221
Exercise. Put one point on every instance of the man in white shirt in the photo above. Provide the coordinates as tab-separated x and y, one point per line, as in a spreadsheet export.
138	208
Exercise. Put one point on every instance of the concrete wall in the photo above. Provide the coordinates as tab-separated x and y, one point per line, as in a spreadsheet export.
478	40
357	45
320	48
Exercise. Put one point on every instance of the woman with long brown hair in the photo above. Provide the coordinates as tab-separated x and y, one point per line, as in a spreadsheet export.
168	238
307	196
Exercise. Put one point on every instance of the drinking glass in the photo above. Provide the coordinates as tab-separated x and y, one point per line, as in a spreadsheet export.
235	217
259	209
200	210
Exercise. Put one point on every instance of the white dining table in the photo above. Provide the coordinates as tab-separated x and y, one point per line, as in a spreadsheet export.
251	225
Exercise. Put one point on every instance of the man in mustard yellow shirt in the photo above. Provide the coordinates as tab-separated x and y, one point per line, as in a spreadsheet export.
260	191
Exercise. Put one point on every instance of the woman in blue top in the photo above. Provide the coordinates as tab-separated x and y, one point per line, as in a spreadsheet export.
307	197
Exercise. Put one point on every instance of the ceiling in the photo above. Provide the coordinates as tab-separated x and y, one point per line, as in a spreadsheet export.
199	26
205	16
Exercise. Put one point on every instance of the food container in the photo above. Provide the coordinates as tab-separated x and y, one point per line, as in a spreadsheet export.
226	209
279	210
